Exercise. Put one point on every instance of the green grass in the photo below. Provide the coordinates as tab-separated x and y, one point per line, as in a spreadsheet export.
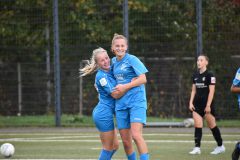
74	144
84	121
45	121
30	144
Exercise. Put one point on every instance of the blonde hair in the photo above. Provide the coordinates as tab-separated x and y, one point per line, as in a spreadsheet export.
118	36
91	65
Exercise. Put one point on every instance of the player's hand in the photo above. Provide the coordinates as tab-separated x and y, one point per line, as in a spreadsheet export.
191	107
120	88
207	109
134	79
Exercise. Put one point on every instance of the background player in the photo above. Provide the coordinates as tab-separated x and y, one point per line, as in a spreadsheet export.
235	88
131	107
201	105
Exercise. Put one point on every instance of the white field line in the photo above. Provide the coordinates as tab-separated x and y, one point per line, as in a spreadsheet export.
96	148
51	134
77	135
187	135
48	138
98	141
68	138
64	159
63	137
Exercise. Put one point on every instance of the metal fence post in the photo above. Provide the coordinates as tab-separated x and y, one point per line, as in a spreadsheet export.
80	92
199	27
48	70
125	20
19	89
56	65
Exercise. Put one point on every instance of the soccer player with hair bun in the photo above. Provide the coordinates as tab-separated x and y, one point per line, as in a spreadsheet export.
129	73
202	106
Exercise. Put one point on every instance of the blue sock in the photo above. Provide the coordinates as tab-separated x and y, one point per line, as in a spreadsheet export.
105	155
112	153
132	156
144	156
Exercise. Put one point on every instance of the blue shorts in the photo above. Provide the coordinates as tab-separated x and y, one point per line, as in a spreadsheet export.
137	113
103	117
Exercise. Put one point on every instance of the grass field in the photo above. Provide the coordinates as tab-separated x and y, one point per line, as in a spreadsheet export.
83	143
83	121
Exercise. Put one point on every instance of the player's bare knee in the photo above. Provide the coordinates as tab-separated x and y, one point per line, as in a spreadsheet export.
137	136
126	143
115	146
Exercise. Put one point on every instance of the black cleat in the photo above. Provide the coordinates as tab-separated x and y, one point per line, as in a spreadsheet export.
236	152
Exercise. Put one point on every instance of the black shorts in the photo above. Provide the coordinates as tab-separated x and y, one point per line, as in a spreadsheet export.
201	112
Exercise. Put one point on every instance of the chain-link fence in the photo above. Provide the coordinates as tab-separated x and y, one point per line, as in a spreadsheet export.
163	33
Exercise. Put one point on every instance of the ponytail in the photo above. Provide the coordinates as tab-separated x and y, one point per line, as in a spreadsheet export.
91	65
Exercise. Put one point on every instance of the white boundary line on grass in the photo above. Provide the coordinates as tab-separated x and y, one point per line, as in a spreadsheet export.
72	138
94	141
96	135
64	159
187	134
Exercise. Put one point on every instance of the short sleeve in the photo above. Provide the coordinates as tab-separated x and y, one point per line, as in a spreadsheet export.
193	76
104	82
138	66
211	79
236	80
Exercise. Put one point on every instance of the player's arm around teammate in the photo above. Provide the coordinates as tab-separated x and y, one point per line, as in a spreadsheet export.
201	105
103	113
235	89
131	108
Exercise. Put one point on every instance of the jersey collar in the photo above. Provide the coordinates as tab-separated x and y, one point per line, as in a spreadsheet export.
124	58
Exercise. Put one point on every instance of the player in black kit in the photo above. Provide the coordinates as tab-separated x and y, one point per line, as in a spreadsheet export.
201	105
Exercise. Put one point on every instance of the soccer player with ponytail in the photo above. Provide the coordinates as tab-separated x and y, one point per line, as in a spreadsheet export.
103	113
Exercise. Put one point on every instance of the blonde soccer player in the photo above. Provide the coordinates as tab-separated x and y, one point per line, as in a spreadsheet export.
103	113
131	107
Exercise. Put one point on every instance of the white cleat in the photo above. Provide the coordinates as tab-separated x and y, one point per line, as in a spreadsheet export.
196	150
218	150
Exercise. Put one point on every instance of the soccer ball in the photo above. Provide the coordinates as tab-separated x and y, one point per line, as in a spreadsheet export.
189	122
7	150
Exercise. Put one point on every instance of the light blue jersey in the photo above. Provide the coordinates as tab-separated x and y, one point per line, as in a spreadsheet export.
103	113
236	82
124	71
105	83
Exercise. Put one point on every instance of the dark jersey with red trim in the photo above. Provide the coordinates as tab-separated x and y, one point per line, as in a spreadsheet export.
202	82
